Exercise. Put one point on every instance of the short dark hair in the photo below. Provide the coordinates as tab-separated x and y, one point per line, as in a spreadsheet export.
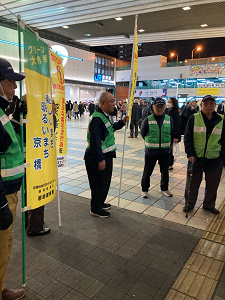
175	103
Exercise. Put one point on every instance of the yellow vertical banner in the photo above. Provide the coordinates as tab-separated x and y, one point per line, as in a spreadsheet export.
41	171
134	69
58	88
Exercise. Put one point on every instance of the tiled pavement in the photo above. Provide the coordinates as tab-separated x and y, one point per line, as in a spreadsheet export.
131	255
128	256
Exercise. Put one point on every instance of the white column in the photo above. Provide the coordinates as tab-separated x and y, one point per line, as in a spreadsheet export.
74	93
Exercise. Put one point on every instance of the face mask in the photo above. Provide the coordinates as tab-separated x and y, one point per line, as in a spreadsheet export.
169	105
4	95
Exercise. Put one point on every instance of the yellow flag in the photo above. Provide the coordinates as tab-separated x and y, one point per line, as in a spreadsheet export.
58	87
134	70
41	172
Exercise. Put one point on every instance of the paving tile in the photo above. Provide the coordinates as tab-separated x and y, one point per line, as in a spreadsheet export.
75	295
164	204
156	212
176	217
130	196
138	207
112	293
123	202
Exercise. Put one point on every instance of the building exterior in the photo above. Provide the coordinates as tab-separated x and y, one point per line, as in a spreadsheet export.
190	79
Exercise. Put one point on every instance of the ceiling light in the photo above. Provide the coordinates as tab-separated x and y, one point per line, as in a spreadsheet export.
141	30
87	34
186	8
65	26
204	25
119	19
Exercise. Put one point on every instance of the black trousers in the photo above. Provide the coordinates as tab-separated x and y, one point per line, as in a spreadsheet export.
99	181
134	124
35	219
213	170
149	167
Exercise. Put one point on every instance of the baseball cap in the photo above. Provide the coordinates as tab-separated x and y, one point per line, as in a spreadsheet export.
208	97
158	101
6	70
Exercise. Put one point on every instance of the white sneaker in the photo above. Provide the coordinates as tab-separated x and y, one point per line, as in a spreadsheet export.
144	194
166	193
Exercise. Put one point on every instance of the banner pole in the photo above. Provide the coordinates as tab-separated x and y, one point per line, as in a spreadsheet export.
129	98
22	150
57	196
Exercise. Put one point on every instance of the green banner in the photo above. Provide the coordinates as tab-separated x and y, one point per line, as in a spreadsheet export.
36	54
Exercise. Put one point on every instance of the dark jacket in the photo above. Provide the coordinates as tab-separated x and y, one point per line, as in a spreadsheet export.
98	133
136	112
6	187
145	131
174	114
210	124
91	108
220	109
70	106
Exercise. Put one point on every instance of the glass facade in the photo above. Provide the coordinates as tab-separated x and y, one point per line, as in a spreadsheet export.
217	82
104	69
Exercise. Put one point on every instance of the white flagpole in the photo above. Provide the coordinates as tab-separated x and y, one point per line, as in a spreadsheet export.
129	95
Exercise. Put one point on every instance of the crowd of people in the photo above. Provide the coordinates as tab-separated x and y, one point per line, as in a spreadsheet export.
160	126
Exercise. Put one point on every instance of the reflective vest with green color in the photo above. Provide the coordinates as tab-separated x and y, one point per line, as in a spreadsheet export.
108	145
158	138
12	164
209	149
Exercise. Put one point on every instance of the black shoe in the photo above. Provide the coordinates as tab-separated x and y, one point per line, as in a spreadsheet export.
170	168
213	210
101	214
185	208
106	206
38	233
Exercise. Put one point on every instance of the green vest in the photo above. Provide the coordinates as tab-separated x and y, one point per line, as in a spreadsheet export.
108	145
212	148
12	164
157	138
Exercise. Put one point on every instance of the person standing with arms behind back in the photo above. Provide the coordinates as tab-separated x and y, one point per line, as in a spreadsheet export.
12	172
100	153
204	142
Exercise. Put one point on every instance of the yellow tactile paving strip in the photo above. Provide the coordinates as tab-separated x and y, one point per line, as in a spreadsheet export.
201	273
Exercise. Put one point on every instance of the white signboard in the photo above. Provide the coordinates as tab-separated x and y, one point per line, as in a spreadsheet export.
150	93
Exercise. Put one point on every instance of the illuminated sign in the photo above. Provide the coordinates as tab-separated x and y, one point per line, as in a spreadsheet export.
98	77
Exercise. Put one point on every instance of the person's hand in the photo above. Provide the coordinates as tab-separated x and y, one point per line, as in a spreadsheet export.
191	159
6	217
175	140
101	165
126	119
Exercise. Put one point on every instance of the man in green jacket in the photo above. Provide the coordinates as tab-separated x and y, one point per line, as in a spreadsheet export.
12	171
204	142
